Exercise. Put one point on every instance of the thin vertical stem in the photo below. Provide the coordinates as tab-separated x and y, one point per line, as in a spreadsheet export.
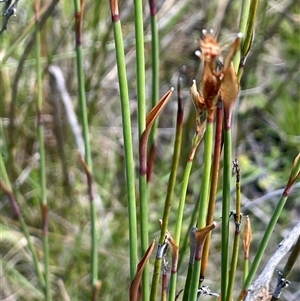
170	193
242	29
204	198
187	286
204	194
225	212
79	6
140	65
177	146
249	10
214	185
140	70
236	243
128	148
40	132
143	170
155	81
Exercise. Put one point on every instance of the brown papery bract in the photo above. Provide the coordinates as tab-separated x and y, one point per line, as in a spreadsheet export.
229	91
247	237
210	82
134	288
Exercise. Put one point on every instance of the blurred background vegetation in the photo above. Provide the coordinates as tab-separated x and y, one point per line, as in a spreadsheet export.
266	136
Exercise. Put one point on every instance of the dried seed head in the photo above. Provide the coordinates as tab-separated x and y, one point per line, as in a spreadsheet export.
209	47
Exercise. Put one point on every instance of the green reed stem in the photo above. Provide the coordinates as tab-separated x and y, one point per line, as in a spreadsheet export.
140	69
143	170
177	147
236	243
155	279
140	66
225	212
169	197
245	269
203	200
185	182
144	231
204	194
249	10
192	222
78	5
242	29
187	286
128	148
188	281
214	185
155	72
250	28
42	170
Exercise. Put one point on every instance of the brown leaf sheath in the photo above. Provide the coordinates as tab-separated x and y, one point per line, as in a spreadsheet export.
229	91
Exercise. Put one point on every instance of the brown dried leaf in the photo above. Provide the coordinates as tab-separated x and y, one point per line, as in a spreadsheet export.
151	117
134	287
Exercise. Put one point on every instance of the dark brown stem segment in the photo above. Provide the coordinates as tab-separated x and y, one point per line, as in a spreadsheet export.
153	9
89	177
12	199
78	23
114	8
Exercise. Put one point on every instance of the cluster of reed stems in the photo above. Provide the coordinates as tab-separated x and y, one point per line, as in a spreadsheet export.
214	99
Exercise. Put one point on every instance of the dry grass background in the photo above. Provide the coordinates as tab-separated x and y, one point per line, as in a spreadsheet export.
266	137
